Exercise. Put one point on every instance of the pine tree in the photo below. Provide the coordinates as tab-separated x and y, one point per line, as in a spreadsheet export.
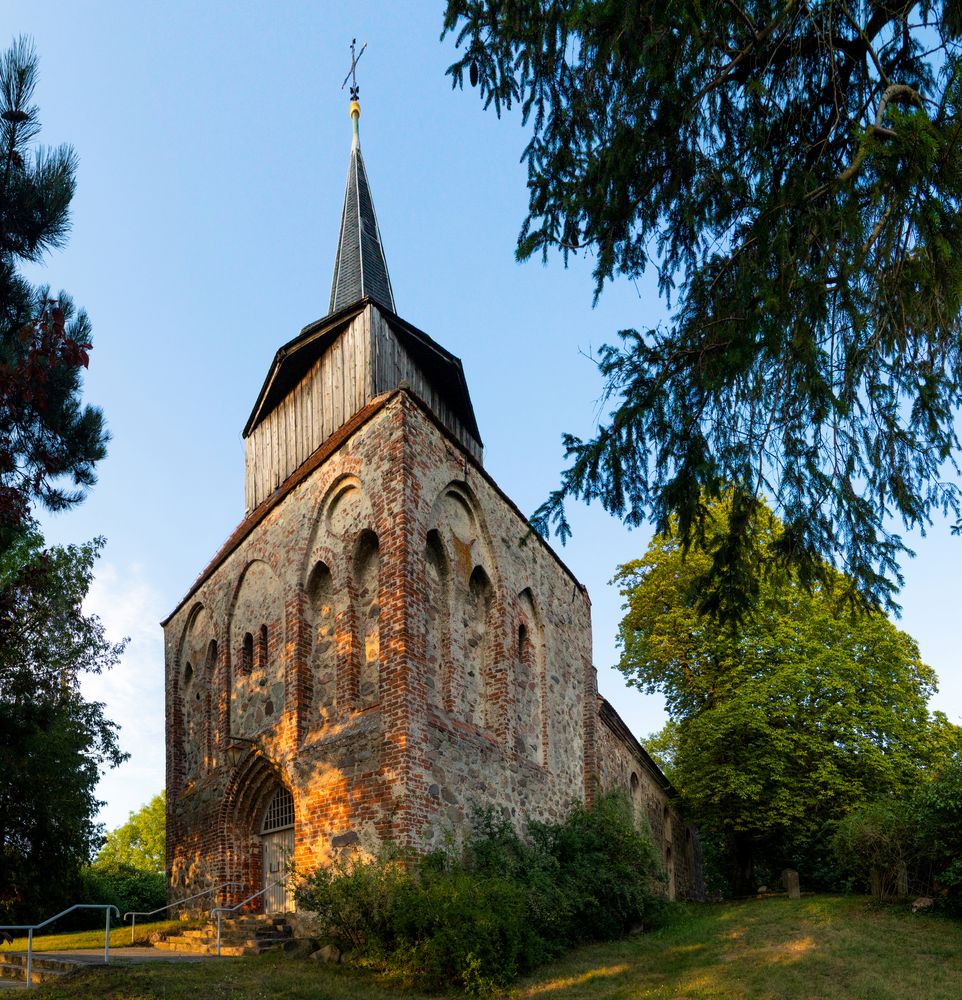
793	172
49	440
54	742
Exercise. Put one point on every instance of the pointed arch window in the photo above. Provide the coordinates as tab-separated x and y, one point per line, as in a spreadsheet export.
279	814
523	649
479	704
531	733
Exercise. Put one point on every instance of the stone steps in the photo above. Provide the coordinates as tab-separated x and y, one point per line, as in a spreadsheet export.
13	965
245	935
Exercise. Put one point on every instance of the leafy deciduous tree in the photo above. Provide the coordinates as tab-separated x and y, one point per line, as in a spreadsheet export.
55	742
139	843
784	721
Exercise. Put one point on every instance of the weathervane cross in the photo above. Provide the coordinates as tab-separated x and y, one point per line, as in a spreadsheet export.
352	75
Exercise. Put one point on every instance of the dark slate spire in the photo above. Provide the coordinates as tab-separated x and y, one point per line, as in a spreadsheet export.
359	268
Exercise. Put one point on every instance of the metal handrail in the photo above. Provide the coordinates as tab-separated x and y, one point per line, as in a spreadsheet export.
160	909
30	928
233	909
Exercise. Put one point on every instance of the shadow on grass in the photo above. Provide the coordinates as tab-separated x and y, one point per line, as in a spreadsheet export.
818	947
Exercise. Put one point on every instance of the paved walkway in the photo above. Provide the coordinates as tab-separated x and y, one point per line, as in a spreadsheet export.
118	956
124	956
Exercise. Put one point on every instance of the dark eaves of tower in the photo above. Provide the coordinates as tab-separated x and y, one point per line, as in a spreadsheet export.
360	268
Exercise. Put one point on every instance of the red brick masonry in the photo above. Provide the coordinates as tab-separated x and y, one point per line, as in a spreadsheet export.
384	637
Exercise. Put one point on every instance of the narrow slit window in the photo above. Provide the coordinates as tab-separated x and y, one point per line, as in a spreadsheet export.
262	649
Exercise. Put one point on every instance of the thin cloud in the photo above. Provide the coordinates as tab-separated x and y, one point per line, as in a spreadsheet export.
133	691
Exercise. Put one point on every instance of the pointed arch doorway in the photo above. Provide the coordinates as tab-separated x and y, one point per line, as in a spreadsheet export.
277	850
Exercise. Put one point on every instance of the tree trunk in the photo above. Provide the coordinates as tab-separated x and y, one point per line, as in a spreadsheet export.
741	861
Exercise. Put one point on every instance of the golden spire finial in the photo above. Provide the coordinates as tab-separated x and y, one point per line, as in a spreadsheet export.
355	107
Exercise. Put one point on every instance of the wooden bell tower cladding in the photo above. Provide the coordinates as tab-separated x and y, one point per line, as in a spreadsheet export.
329	373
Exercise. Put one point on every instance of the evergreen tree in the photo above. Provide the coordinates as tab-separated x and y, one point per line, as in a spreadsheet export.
53	742
793	172
49	440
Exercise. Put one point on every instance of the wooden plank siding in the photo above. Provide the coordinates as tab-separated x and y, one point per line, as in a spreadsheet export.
365	361
394	365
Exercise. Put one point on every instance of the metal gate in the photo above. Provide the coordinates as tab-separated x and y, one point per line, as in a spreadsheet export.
277	846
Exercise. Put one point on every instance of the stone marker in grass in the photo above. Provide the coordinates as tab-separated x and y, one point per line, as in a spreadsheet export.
790	881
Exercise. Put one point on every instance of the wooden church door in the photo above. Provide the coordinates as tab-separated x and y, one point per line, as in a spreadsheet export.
277	849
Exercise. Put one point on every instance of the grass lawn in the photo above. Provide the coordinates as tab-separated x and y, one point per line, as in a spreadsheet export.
818	948
119	936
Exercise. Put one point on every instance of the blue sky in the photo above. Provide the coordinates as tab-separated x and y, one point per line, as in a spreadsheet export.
213	142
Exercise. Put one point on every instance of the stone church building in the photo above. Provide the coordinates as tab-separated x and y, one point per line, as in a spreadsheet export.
373	653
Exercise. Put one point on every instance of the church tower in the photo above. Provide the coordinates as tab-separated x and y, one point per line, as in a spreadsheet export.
373	653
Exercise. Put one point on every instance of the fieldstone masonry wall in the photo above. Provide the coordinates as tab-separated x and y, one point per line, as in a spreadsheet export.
624	764
376	638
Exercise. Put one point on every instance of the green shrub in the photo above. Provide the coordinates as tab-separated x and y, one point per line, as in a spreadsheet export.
495	850
876	846
937	807
353	900
500	906
462	927
918	840
126	887
605	867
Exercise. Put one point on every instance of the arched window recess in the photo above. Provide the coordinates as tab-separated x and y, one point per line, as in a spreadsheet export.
279	814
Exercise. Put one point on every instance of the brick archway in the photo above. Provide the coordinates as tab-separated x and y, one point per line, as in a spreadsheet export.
252	786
